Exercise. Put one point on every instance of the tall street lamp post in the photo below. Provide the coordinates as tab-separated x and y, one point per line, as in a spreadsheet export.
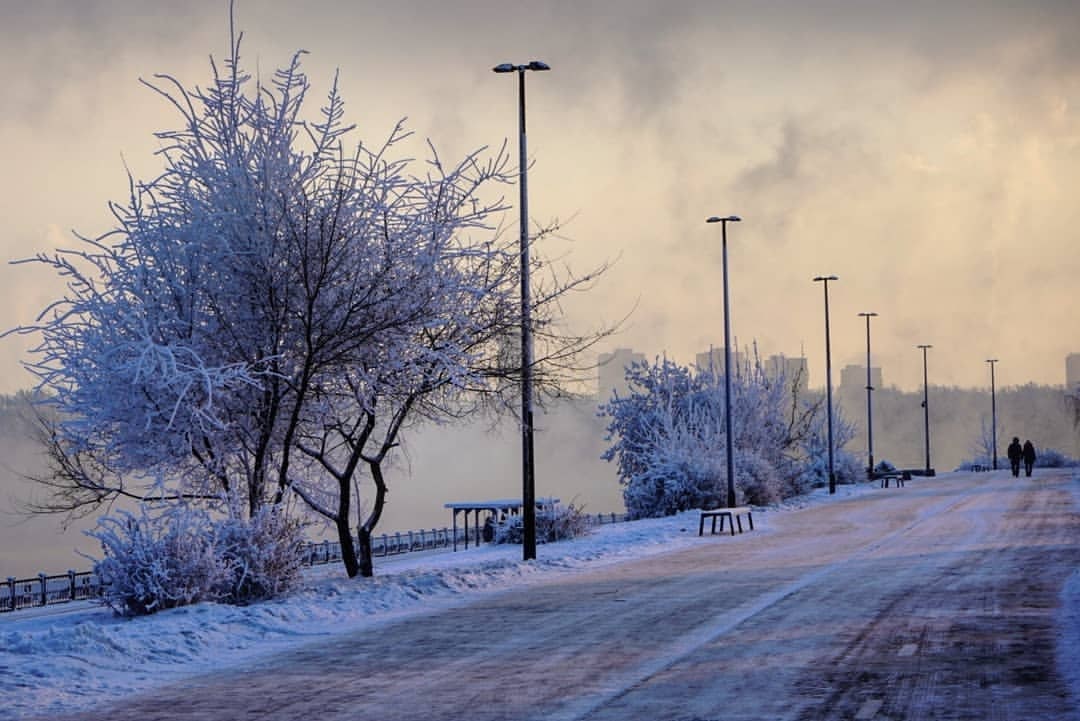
926	406
993	410
828	379
528	473
727	360
869	406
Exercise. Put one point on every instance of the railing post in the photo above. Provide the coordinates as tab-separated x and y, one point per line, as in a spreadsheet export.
11	591
44	589
71	584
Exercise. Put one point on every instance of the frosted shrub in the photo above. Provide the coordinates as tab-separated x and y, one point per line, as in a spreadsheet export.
848	468
156	562
263	556
757	480
884	467
1049	458
815	451
669	437
556	524
183	556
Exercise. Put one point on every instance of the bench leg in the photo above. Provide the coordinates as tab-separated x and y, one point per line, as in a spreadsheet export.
732	518
750	518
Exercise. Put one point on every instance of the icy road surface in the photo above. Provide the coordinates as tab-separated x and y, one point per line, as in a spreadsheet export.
940	600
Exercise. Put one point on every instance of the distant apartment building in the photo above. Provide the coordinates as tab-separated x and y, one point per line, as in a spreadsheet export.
714	358
612	371
792	368
1072	374
853	377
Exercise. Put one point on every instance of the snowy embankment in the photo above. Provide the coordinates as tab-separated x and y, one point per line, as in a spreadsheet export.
79	655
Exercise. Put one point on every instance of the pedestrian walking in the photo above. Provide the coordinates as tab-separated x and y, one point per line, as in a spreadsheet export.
1029	457
1016	454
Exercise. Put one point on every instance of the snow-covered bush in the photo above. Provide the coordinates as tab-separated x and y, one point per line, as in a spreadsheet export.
1050	458
669	440
183	556
884	466
815	453
552	524
153	563
263	556
757	481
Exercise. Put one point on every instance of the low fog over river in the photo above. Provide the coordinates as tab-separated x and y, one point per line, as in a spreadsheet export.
463	462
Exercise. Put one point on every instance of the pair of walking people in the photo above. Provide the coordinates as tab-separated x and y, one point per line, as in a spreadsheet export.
1018	453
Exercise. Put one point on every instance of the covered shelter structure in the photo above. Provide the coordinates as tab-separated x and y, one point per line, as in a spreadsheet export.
494	510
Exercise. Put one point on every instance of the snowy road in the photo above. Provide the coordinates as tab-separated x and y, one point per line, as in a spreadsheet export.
934	601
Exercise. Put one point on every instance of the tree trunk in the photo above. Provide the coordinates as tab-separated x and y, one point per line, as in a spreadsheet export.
348	549
364	530
364	560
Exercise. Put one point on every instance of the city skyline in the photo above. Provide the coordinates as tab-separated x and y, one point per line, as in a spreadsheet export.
851	375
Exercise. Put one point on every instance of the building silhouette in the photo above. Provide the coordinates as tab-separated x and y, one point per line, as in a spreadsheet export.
794	369
853	377
612	372
714	359
1072	374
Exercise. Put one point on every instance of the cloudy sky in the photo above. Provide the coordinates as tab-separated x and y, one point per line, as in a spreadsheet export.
927	153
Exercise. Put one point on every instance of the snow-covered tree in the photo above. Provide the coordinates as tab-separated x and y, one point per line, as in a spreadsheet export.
815	452
668	436
982	448
272	310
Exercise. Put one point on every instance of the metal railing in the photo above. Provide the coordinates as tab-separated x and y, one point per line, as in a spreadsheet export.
17	594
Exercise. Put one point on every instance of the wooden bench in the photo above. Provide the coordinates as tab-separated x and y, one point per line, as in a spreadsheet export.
733	515
898	476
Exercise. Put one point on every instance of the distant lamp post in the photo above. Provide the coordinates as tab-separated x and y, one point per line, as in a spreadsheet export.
528	472
869	404
993	410
926	407
727	359
828	380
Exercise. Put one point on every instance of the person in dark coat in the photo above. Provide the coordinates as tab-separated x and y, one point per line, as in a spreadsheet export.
1016	454
1029	457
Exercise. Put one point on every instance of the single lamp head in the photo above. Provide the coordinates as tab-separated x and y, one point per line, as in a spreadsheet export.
510	67
718	219
871	314
826	277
